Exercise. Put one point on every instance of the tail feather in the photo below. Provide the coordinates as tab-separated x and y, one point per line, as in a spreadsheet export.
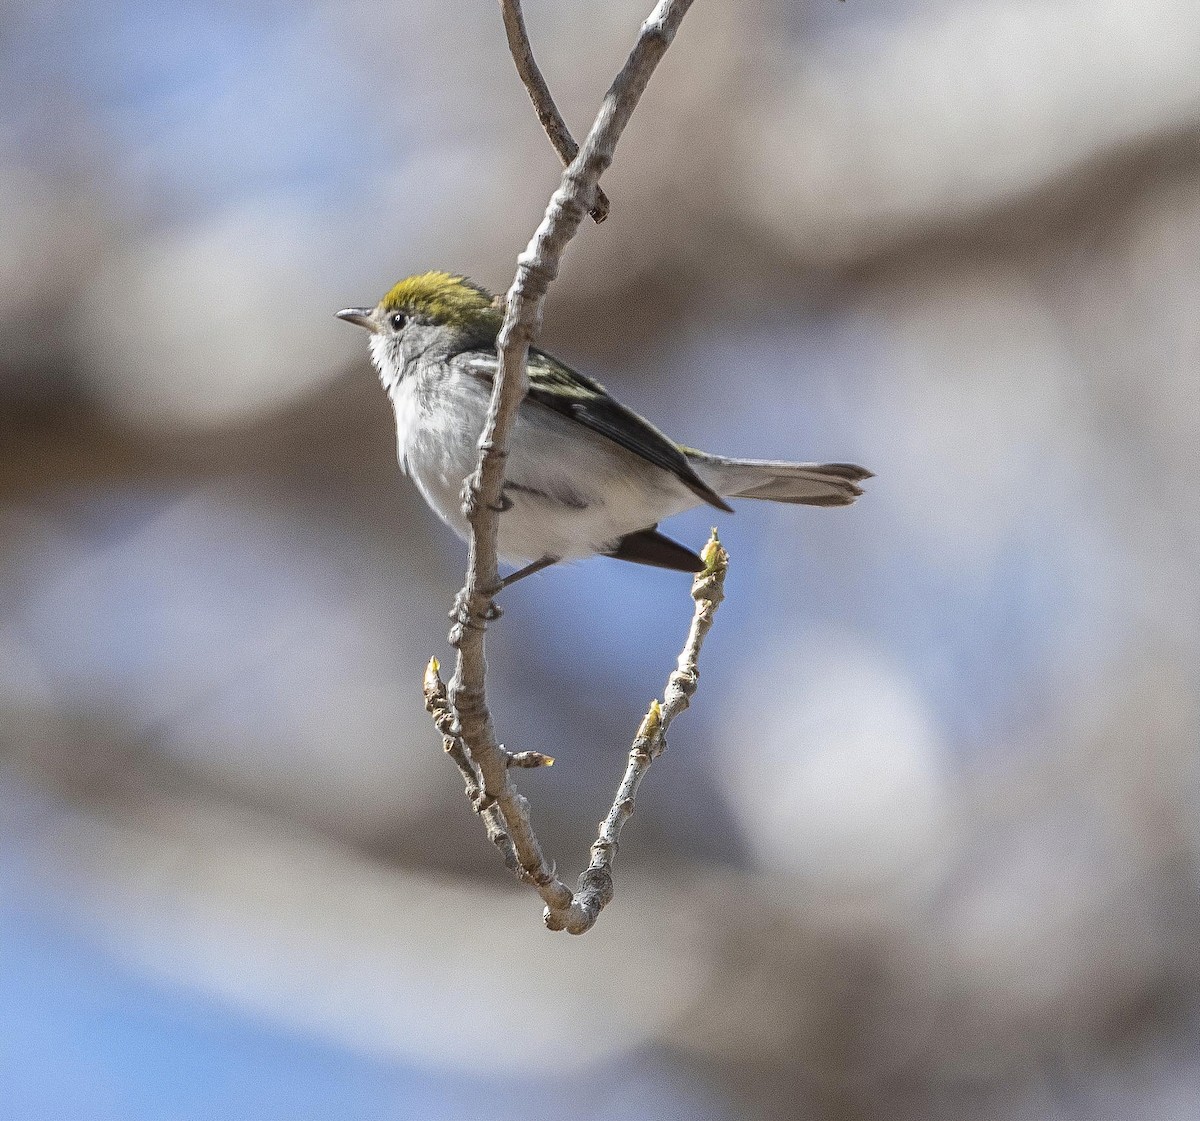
810	484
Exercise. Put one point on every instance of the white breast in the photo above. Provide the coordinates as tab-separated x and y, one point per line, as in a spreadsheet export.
404	406
437	442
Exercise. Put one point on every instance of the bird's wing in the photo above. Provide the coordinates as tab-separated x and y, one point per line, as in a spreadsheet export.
558	387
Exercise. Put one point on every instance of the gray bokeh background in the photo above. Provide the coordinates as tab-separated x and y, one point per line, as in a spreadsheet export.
925	846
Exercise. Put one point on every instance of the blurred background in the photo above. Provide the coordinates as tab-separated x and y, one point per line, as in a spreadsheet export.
925	847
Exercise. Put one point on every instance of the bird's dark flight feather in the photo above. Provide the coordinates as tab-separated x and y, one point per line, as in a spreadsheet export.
650	547
571	394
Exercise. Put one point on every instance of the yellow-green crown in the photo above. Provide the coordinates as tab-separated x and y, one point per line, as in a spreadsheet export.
444	298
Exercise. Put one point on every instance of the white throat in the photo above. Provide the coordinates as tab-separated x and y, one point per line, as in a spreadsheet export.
388	362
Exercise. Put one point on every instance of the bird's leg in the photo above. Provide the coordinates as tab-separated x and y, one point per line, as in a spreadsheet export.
528	570
460	612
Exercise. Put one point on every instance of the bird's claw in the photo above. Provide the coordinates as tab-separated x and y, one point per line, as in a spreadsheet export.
464	617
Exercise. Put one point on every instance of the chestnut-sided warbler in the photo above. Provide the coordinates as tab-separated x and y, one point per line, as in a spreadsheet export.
584	475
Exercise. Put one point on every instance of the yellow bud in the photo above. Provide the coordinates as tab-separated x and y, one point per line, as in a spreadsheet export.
714	556
651	721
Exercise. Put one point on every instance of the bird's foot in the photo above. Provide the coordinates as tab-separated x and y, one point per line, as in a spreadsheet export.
463	617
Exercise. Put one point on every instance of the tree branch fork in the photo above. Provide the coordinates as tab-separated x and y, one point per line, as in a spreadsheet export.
577	912
460	711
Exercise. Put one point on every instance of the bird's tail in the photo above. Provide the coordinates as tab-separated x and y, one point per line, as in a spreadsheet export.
812	484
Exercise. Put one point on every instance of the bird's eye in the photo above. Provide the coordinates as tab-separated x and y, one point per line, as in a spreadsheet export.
397	320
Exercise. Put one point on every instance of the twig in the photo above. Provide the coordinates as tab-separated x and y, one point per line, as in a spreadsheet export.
539	93
527	760
595	888
536	268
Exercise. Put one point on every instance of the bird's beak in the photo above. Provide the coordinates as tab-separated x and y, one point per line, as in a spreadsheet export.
360	317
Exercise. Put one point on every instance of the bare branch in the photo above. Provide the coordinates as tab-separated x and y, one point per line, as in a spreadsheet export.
536	268
595	888
539	93
438	706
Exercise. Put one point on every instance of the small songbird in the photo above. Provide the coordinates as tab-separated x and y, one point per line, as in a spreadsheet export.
585	476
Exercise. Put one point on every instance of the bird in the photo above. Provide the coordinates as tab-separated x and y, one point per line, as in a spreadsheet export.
585	475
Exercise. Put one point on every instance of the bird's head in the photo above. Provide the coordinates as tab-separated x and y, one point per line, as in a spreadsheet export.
430	299
430	307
